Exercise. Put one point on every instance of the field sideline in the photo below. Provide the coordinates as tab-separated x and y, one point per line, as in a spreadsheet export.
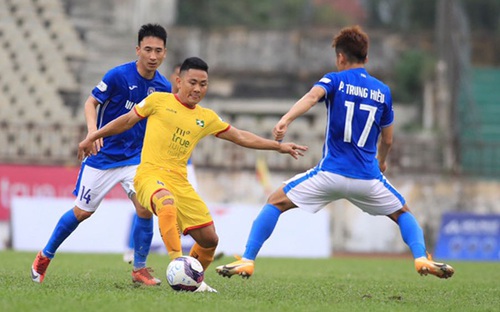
101	282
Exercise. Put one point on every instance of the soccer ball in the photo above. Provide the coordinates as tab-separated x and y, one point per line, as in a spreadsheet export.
185	273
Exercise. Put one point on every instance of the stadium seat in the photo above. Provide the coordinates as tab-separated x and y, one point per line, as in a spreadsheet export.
267	124
247	122
64	35
5	104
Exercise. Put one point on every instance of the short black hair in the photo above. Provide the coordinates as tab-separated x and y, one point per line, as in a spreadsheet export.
152	30
194	63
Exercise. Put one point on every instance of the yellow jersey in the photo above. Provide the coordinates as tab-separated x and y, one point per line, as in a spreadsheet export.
173	130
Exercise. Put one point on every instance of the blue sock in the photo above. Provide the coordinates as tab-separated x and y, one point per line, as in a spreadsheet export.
143	235
66	225
412	234
131	233
262	227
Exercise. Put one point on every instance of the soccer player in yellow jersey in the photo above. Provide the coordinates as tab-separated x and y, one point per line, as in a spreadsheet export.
175	125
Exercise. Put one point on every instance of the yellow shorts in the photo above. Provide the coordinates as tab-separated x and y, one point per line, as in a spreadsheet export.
192	212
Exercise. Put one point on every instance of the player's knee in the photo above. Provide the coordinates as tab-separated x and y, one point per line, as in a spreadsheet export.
143	213
213	242
206	237
280	201
163	202
395	215
81	214
167	200
210	241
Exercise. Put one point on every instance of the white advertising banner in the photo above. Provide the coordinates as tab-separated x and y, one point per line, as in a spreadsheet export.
297	234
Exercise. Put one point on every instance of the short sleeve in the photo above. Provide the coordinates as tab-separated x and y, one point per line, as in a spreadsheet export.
147	106
105	88
215	125
328	82
388	114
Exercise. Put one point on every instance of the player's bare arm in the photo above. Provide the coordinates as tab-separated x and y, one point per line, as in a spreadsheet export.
90	110
298	109
119	125
384	146
251	140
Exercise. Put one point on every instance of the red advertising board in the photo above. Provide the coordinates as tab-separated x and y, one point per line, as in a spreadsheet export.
39	181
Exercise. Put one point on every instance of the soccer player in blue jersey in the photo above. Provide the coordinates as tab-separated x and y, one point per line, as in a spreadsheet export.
359	110
116	162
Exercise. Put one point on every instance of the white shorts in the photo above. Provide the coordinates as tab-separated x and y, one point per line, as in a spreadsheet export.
93	185
314	189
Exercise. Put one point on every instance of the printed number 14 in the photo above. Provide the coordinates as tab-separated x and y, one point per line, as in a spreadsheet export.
85	195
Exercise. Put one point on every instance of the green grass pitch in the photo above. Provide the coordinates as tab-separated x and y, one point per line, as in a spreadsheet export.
102	282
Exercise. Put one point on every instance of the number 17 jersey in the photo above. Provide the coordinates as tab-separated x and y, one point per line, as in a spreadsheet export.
358	107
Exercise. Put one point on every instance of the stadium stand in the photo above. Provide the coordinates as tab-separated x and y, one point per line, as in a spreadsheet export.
52	52
38	44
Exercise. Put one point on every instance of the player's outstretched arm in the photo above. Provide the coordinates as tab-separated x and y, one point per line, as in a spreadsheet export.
118	125
298	109
251	140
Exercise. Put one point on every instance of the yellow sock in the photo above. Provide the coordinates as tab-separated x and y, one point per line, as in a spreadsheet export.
204	255
169	230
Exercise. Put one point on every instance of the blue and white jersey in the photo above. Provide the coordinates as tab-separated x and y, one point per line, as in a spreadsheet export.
119	90
358	107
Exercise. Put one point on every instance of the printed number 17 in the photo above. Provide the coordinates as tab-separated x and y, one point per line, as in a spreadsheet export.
348	122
